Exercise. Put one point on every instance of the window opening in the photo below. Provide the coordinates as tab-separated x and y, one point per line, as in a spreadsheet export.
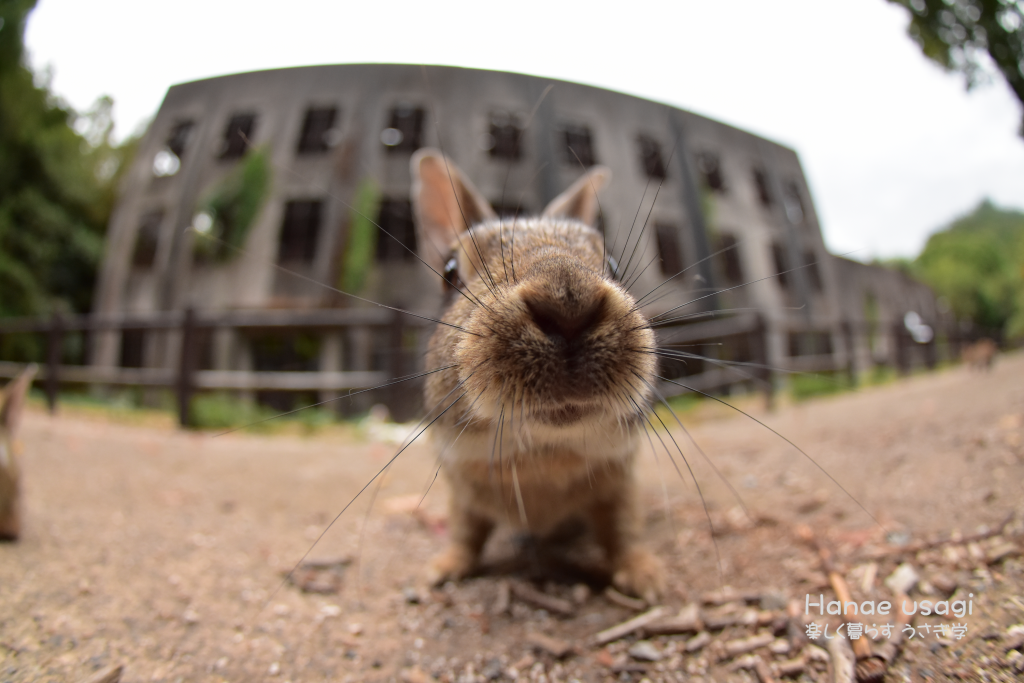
504	136
579	146
237	136
405	129
177	141
147	238
710	166
651	158
395	217
763	191
317	130
668	248
813	272
729	258
299	231
793	203
779	258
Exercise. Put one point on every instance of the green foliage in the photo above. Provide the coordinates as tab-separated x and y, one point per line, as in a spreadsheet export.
357	260
977	264
223	411
804	386
58	176
234	204
954	33
220	410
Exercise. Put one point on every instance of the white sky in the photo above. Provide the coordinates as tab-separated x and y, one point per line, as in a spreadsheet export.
893	147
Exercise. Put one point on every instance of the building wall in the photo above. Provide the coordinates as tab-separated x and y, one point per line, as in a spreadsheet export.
762	201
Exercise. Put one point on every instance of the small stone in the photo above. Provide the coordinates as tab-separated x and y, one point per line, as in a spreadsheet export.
1001	552
492	670
580	593
617	598
816	654
745	662
773	601
644	651
414	675
355	629
555	646
903	579
274	669
411	596
944	583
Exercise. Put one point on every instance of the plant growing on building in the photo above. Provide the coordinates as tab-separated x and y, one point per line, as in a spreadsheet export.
361	245
232	206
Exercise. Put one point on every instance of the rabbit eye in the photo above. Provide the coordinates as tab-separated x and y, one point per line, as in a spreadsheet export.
451	273
613	267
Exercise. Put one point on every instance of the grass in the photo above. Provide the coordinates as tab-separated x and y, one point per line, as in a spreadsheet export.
806	386
219	411
209	411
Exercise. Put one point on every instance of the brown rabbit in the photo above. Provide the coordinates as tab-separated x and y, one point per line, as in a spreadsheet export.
10	411
538	416
980	355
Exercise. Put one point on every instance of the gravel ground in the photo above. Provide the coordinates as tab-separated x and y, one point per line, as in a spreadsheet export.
165	552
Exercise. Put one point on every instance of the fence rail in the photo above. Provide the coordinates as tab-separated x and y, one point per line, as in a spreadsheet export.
187	378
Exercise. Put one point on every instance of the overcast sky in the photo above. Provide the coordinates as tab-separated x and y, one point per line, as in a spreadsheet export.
892	146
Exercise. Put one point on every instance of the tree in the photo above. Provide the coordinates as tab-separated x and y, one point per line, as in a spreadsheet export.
58	175
955	33
977	265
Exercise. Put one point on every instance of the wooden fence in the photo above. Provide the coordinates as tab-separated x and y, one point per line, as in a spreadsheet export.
186	378
746	335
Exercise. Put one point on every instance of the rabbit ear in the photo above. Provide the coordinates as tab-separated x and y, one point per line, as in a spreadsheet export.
14	399
446	203
580	200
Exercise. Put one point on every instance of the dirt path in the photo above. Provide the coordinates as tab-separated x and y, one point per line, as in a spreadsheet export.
163	551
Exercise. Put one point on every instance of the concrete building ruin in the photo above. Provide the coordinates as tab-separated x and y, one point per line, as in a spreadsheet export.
731	208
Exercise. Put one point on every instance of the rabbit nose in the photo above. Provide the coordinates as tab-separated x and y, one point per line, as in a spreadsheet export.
567	317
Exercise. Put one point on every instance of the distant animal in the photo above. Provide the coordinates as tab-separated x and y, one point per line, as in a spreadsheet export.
550	367
10	412
980	355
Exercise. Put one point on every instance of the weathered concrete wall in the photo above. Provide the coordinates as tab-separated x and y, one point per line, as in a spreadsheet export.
770	219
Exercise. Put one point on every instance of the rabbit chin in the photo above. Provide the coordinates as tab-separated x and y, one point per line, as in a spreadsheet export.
600	438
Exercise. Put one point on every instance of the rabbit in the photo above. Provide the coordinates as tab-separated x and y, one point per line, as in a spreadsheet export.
548	368
10	413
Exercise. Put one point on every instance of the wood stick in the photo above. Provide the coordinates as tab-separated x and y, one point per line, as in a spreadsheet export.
869	666
112	674
930	545
628	626
543	600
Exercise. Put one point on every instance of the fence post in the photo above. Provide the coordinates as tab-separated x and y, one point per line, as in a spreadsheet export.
902	355
851	353
186	366
53	348
760	335
398	402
